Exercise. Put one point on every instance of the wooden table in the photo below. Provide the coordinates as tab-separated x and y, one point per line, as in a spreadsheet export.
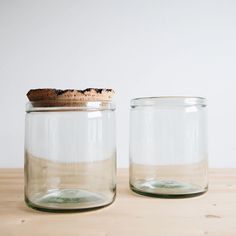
211	214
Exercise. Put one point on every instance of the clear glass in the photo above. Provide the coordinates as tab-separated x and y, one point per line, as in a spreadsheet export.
70	155
168	146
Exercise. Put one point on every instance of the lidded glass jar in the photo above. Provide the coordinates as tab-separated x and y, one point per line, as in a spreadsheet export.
70	149
168	146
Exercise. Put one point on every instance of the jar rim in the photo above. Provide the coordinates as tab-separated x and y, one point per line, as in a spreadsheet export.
69	105
168	100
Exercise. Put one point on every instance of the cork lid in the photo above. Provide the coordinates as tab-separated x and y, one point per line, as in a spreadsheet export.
49	97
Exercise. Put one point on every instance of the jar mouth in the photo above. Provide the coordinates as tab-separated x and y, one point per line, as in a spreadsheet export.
69	105
168	100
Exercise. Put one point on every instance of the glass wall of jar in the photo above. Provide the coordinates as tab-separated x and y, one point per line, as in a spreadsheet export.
168	146
70	155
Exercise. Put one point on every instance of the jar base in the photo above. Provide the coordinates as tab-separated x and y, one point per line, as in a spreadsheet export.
68	200
167	189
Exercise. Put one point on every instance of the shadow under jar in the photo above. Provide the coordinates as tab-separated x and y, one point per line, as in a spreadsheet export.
70	155
168	146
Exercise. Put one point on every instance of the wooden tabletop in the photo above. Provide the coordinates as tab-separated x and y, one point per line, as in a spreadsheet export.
213	213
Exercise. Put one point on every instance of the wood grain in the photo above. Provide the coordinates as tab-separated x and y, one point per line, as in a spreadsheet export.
211	214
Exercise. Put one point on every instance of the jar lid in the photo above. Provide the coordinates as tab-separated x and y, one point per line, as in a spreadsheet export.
49	97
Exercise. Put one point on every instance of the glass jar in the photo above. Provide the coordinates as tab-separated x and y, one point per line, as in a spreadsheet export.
70	155
168	146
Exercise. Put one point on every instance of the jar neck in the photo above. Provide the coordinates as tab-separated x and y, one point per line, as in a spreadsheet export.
168	101
71	105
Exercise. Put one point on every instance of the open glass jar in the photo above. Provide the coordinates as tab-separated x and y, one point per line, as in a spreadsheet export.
70	154
168	146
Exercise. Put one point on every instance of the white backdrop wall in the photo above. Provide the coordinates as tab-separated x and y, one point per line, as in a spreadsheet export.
139	48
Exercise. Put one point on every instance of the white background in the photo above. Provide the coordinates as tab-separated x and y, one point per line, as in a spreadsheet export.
138	48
